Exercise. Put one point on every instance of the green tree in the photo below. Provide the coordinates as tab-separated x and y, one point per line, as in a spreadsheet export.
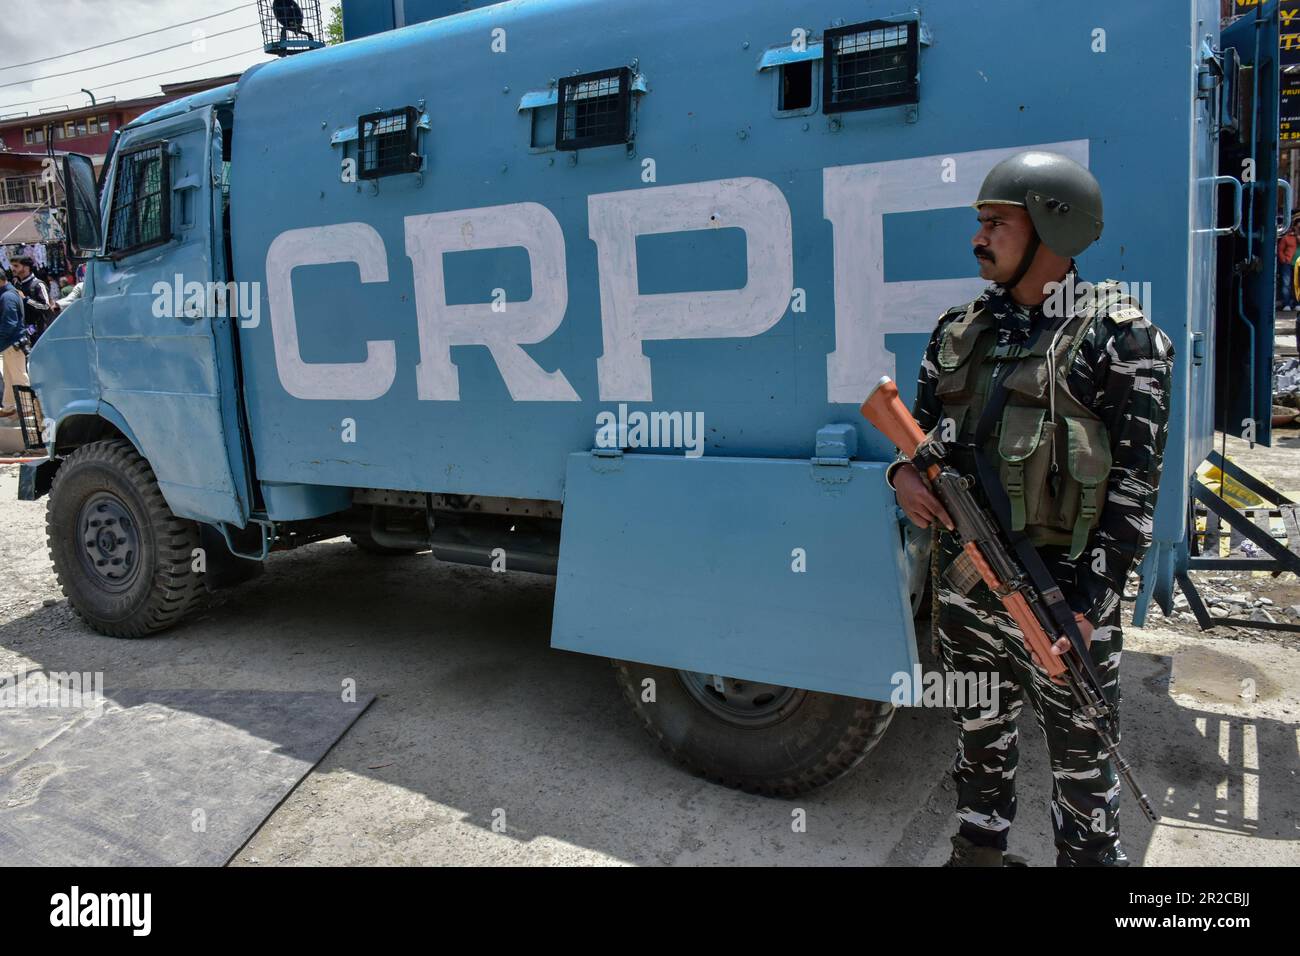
334	32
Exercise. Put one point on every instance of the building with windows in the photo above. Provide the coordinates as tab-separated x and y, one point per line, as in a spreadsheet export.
28	197
80	127
87	129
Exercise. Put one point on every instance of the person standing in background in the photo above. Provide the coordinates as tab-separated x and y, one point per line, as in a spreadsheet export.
51	283
37	306
1286	250
13	360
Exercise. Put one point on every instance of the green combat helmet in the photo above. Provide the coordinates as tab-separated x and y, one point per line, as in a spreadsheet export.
1062	198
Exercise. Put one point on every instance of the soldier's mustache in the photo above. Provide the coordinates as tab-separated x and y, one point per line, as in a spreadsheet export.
980	254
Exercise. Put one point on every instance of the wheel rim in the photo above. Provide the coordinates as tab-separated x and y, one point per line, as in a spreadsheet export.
742	703
109	544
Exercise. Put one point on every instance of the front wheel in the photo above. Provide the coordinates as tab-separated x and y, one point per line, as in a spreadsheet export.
124	561
760	738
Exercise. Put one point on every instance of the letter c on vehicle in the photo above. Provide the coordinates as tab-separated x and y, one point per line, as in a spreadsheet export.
323	245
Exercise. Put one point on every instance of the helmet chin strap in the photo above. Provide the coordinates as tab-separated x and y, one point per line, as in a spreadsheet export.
1025	263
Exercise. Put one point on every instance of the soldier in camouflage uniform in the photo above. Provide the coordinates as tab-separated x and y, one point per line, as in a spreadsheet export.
1078	451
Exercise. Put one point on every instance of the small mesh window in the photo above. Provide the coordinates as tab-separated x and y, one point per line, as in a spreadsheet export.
141	209
595	109
388	143
870	65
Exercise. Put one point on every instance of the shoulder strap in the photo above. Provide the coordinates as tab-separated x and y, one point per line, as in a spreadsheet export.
1111	304
959	335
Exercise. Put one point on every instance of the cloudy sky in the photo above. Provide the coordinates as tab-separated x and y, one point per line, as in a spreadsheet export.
68	26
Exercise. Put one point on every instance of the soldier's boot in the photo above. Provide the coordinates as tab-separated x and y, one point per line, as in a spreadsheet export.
966	853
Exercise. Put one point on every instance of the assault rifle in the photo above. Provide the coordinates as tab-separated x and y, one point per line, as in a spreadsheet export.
985	556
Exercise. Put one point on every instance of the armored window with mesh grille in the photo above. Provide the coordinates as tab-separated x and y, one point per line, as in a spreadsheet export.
140	216
595	109
388	143
870	65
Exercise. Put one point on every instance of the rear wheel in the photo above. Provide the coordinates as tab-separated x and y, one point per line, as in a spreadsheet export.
123	560
760	738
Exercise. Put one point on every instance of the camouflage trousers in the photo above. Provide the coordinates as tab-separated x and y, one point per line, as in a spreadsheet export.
976	636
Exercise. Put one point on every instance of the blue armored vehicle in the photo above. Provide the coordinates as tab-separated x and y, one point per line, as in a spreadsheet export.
594	288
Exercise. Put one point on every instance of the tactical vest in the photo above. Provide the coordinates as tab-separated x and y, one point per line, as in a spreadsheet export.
1052	452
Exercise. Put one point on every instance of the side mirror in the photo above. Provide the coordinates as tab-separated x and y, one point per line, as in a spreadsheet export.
84	230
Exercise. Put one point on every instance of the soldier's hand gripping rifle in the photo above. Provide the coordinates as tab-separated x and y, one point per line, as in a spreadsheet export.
985	556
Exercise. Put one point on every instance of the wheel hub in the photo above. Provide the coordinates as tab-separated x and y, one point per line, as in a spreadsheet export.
110	542
743	703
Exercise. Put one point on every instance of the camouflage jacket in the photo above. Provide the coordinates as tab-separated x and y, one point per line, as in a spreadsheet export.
1122	372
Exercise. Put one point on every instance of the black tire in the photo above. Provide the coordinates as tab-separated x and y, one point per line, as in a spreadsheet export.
808	742
128	583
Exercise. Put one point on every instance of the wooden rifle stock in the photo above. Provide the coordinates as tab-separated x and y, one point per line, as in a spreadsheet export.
886	411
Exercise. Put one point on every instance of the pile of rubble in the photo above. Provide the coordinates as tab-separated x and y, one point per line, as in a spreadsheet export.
1286	389
1223	599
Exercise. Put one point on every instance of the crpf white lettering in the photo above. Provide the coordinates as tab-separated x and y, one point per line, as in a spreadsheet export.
867	308
441	326
629	318
322	245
